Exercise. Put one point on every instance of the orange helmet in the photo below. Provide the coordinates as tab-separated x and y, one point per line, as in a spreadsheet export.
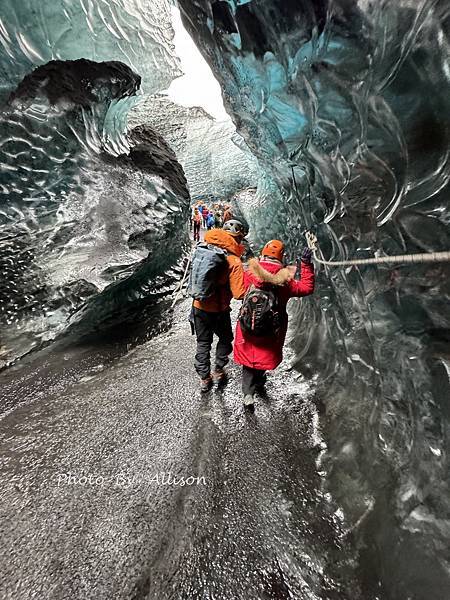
274	249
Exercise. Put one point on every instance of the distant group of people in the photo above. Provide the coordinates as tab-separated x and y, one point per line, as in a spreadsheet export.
203	216
264	285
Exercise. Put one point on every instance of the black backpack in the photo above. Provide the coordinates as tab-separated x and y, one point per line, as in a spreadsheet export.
208	263
259	314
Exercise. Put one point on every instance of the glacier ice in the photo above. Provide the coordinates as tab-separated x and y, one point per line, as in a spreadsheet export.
215	165
341	110
345	106
62	194
87	208
136	32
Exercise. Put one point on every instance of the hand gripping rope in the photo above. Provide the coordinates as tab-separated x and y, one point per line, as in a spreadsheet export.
426	257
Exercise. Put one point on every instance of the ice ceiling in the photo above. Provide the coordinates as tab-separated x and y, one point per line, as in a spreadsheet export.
341	109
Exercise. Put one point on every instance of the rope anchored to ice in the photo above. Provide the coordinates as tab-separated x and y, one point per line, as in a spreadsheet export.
426	257
312	242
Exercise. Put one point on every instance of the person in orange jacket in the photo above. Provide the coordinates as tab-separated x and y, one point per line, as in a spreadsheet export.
197	220
258	354
212	316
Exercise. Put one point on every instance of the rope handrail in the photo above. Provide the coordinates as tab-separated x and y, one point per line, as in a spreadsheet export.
183	279
426	257
311	239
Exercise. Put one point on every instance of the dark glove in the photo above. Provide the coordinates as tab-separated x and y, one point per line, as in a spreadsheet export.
306	255
192	320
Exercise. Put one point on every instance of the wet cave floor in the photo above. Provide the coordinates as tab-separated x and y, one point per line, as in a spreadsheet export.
94	457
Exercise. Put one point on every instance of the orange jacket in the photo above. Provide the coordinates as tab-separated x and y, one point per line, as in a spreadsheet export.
231	284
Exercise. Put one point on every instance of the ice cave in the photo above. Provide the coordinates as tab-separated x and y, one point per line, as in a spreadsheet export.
120	480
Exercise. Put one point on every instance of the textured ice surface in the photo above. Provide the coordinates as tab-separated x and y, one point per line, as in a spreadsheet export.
74	220
353	99
136	32
214	164
87	211
216	160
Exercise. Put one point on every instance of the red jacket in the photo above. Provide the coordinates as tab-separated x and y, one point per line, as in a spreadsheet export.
266	353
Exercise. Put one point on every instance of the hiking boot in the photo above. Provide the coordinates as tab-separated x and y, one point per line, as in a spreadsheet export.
220	376
206	384
248	401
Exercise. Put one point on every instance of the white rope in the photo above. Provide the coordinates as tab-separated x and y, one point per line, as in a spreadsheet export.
426	257
180	287
311	240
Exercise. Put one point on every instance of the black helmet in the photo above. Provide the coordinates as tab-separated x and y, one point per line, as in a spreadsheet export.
234	227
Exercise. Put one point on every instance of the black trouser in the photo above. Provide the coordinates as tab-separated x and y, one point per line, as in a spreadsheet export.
207	324
251	379
196	231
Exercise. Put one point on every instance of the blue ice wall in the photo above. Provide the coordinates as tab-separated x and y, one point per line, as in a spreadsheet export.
136	32
346	105
80	212
92	217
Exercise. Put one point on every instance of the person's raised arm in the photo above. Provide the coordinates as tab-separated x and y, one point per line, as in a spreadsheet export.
305	286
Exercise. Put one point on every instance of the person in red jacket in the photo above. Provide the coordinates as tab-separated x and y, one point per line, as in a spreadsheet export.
205	213
259	354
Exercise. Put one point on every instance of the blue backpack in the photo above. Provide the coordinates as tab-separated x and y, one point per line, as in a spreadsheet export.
208	264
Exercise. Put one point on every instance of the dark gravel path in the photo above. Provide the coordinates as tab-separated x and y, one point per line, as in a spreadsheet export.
88	514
